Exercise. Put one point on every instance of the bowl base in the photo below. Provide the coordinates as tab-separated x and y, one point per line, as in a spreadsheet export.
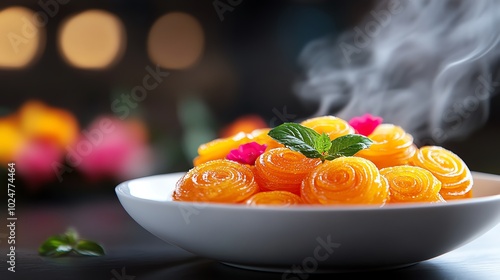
282	269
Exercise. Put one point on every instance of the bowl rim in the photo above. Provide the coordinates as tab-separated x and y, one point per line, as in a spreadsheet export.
121	192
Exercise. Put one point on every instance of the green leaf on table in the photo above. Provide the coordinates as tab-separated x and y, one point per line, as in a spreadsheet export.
71	236
55	246
88	248
59	245
297	138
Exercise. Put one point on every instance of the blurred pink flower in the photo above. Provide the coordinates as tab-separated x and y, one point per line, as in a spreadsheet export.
112	148
247	153
34	162
365	124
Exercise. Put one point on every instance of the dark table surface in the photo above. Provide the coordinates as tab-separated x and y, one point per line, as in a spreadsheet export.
134	253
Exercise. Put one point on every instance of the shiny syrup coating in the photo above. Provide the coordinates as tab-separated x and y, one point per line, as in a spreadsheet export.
391	146
274	198
334	127
219	148
261	136
283	169
411	184
448	168
217	181
345	180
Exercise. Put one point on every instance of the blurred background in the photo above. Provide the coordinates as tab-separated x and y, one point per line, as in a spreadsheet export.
97	92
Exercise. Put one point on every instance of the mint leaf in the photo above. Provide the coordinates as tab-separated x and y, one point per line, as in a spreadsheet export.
59	245
322	144
55	246
314	145
89	248
348	145
297	138
71	236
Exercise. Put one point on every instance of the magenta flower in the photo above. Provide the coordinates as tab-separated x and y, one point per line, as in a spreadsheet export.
112	148
35	160
365	124
247	153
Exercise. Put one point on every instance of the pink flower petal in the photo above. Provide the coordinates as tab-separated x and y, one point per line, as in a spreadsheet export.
247	153
34	162
365	124
109	147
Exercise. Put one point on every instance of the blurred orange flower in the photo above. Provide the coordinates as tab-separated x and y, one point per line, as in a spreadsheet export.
34	137
46	142
246	124
11	139
39	121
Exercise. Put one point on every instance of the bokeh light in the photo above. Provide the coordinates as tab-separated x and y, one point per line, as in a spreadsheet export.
22	37
176	41
93	39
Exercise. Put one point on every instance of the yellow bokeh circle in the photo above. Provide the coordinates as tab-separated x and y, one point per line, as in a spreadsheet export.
22	37
176	41
93	39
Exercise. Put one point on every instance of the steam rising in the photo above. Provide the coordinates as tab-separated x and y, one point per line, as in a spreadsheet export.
428	66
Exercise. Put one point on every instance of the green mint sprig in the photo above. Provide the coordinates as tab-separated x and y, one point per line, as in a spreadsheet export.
59	245
310	143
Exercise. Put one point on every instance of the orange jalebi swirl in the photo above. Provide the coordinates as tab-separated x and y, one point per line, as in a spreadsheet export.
261	136
345	180
449	168
275	198
283	169
217	181
411	184
219	148
391	146
334	127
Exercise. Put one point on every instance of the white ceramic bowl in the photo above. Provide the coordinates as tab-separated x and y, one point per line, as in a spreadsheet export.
311	238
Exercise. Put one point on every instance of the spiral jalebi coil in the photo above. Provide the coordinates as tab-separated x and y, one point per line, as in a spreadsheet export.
282	169
345	180
217	181
411	184
391	146
448	168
